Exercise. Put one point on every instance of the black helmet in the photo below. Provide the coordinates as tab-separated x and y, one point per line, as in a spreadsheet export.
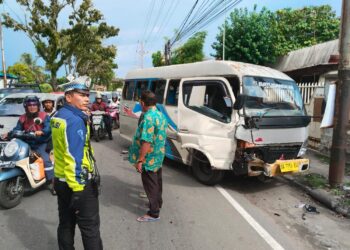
31	99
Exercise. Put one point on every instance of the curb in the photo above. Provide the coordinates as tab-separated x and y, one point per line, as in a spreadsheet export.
321	196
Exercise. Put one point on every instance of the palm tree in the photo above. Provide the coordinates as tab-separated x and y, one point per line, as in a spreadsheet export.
27	59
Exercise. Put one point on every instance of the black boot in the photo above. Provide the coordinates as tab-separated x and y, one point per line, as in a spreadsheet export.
110	136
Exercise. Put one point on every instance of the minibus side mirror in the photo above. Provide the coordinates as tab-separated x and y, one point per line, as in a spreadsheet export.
239	102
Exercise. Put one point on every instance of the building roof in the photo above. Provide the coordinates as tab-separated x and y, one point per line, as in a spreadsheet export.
316	55
9	76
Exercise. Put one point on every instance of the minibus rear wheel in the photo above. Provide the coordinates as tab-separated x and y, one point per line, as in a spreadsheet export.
203	172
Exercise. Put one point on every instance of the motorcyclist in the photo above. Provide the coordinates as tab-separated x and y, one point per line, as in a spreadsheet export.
100	105
115	101
26	122
48	104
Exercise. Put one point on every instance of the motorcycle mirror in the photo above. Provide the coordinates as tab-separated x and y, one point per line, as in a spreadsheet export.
37	121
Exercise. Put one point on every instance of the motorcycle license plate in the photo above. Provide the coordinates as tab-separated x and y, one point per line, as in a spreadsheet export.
289	166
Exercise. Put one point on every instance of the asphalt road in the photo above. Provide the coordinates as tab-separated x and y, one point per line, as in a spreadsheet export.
240	213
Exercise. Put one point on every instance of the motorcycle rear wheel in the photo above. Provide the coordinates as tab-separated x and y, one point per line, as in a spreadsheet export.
9	198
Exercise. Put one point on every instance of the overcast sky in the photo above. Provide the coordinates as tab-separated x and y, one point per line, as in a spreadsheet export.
138	23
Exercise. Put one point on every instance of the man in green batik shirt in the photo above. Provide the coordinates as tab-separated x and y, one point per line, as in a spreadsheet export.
147	153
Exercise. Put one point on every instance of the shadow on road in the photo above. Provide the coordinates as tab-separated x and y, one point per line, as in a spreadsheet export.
241	184
116	192
32	232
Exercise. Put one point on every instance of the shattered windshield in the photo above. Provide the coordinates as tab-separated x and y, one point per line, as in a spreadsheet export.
271	97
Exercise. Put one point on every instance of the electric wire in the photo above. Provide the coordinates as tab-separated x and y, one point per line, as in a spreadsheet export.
166	19
204	15
148	18
156	20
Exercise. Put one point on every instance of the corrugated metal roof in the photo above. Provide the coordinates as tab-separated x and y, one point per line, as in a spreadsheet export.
206	68
8	75
307	57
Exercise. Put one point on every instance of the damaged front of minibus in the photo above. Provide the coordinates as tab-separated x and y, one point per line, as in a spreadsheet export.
272	130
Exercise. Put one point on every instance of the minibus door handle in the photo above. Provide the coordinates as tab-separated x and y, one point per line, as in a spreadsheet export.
184	130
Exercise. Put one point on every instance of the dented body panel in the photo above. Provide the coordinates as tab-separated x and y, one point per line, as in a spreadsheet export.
264	138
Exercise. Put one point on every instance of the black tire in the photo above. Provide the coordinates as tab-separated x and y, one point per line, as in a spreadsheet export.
203	172
8	198
97	135
117	124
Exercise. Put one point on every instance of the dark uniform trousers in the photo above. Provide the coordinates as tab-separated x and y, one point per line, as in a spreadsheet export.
153	185
85	213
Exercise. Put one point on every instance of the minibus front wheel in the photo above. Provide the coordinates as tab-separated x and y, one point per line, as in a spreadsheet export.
203	171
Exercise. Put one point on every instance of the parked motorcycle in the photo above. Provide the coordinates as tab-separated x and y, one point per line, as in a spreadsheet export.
114	113
19	167
98	126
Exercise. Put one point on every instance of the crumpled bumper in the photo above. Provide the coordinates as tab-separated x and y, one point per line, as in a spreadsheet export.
258	167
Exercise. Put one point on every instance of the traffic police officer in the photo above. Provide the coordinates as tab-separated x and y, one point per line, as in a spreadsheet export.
75	172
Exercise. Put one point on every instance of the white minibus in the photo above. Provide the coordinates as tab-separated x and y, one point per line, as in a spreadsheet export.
224	115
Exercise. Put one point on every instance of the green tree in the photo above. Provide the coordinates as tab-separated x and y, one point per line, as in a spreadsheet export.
23	71
38	71
46	88
93	58
54	44
305	27
191	51
249	37
259	37
157	59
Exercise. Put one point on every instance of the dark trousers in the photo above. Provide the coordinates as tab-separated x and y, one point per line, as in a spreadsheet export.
153	185
108	122
85	214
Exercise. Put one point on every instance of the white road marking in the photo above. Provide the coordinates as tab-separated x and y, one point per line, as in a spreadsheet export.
259	229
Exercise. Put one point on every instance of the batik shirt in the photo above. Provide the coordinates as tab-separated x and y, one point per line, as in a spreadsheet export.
152	129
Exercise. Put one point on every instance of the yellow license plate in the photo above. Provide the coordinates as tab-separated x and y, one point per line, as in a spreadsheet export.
289	166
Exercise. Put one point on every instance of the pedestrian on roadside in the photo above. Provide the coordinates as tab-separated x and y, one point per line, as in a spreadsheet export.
76	176
147	153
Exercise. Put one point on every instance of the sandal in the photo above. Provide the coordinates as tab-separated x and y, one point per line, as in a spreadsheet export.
147	218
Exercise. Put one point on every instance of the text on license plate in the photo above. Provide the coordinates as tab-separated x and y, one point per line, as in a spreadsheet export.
289	166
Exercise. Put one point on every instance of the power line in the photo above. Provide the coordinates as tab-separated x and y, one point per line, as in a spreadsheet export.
14	12
204	15
148	19
166	19
156	19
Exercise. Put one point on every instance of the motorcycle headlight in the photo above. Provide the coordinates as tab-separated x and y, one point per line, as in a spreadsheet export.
303	149
11	149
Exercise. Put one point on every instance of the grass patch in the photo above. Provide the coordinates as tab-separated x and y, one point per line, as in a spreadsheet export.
337	191
324	159
314	180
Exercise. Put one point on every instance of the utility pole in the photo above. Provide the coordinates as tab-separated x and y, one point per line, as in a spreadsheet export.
142	54
224	36
3	54
167	52
338	151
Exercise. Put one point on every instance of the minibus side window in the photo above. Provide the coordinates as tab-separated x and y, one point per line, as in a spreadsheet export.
173	93
140	87
209	98
128	90
158	88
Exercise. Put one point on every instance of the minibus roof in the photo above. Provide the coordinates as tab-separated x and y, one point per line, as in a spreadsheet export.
206	68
